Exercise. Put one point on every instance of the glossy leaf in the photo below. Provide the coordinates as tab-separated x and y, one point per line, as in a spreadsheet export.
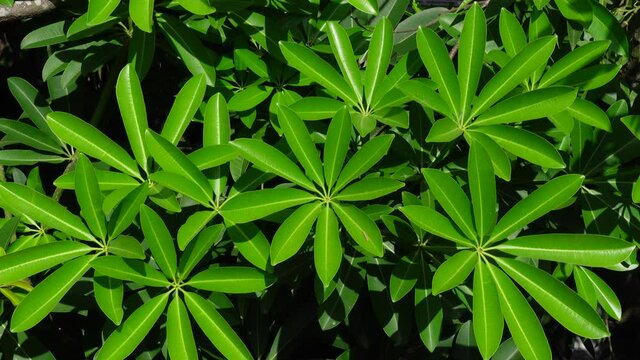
127	247
361	229
378	56
192	227
127	209
30	136
454	271
198	248
253	205
365	158
108	293
431	221
130	270
471	55
422	92
249	98
184	108
316	108
198	7
89	196
404	276
134	113
367	6
482	186
107	180
488	322
343	52
499	159
336	145
300	142
573	61
30	101
231	280
368	189
141	12
590	114
327	248
181	185
159	240
428	309
216	128
251	243
99	10
291	235
606	296
180	341
511	33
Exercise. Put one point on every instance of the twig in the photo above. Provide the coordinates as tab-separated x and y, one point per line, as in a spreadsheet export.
26	9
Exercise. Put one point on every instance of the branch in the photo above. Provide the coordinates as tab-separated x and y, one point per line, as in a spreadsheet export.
26	9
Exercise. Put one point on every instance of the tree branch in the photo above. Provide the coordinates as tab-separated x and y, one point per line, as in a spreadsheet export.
26	9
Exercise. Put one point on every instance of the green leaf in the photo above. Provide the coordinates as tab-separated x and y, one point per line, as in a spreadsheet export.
134	113
30	136
422	92
310	64
431	221
231	280
299	140
335	309
217	128
378	56
46	35
316	108
31	102
267	158
367	6
361	229
343	52
251	243
99	10
8	230
584	287
141	12
170	158
184	108
535	54
291	235
254	205
471	55
181	185
27	157
435	56
364	159
578	249
327	248
488	322
89	196
212	156
404	277
127	209
605	26
46	295
546	198
531	105
130	270
198	248
336	145
24	263
522	321
444	130
216	328
428	309
107	180
454	271
452	199
590	114
511	33
576	10
92	142
124	340
180	341
368	189
159	240
564	305
127	247
249	98
573	61
21	199
499	159
606	296
192	227
108	293
482	186
525	145
198	7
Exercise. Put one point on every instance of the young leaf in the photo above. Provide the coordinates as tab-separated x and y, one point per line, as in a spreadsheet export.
107	180
291	235
327	248
253	205
511	33
364	159
124	340
251	243
573	61
336	145
454	271
130	270
181	185
141	12
89	196
159	240
431	221
91	141
499	159
46	295
127	247
317	108
180	341
343	52
249	98
367	6
192	227
216	129
482	185
590	114
362	229
606	296
198	248
421	91
557	299
488	322
127	209
378	56
99	10
20	199
134	113
31	102
216	328
546	198
108	293
184	108
300	142
231	280
471	54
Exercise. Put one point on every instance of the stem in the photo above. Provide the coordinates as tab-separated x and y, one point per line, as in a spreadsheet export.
57	193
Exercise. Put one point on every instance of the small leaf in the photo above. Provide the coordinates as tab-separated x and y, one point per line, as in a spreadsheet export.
127	209
99	10
195	223
499	159
606	296
590	114
180	341
291	235
327	248
336	145
159	240
454	271
423	92
444	130
317	108
127	247
251	243
198	7
249	98
364	159
183	109
511	33
367	6
130	270
300	142
231	280
198	248
182	185
254	205
31	102
89	196
141	12
361	229
378	56
431	221
368	189
108	293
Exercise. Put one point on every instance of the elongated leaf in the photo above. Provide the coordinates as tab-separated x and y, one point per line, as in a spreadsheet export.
27	157
192	227
320	71
267	158
584	288
31	102
531	105
159	240
216	328
108	293
134	113
127	247
198	7
578	249
300	142
249	98
127	209
361	229
499	159
91	141
404	276
46	295
181	185
435	56
130	270
525	145
343	52
231	280
488	322
30	136
327	248
253	205
89	196
557	299
251	243
421	92
431	221
180	341
519	68
573	61
367	6
21	199
184	108
523	323
198	248
511	33
46	35
213	155
452	199
336	145
316	108
471	55
99	10
364	159
368	189
482	185
454	271
429	313
606	296
335	309
543	200
444	130
590	114
291	235
141	12
378	56
124	340
216	129
107	180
